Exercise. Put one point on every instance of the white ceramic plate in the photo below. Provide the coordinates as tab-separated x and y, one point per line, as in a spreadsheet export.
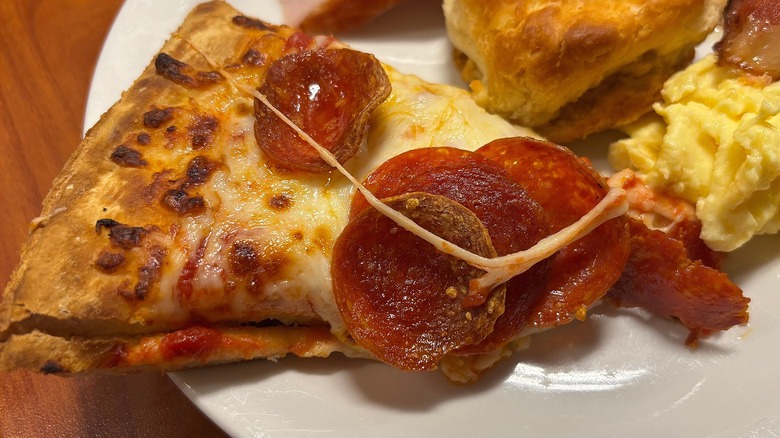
620	373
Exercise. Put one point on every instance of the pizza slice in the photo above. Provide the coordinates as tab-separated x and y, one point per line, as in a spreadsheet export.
201	220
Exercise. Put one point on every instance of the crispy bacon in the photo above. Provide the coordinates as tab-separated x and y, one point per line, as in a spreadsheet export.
661	278
670	271
751	37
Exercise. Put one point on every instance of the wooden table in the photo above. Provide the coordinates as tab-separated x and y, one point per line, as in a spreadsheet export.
48	51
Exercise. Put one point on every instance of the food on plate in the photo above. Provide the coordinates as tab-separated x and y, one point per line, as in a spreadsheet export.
569	69
715	141
751	37
333	16
670	271
201	220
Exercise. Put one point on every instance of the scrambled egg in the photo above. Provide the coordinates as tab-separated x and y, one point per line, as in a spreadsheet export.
714	140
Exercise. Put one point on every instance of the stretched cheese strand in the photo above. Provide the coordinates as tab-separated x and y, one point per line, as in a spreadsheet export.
498	269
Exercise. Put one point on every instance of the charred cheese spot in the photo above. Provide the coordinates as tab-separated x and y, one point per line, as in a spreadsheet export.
182	73
149	273
121	235
105	223
143	139
181	202
157	117
252	23
242	258
127	157
254	58
126	237
280	201
254	265
298	235
202	131
161	182
179	199
109	261
52	367
199	170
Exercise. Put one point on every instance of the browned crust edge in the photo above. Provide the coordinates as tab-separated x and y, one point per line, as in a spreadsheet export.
87	163
57	355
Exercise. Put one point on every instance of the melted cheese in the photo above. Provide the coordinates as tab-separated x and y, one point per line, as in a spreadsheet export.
293	239
292	219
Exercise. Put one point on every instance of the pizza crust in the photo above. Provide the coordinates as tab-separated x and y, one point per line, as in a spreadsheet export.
52	354
60	308
47	286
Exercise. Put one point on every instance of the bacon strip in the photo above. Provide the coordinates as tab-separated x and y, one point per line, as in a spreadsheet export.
751	37
670	271
661	278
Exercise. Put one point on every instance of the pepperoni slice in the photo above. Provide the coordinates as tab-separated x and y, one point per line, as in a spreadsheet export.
329	94
661	278
513	220
401	298
392	177
566	188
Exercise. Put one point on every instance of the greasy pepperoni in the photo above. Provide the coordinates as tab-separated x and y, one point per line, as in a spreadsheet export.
329	94
182	73
513	220
567	189
661	278
392	177
400	297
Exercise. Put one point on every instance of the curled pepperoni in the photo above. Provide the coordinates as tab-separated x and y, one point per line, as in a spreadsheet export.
514	221
661	278
329	94
567	189
400	297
